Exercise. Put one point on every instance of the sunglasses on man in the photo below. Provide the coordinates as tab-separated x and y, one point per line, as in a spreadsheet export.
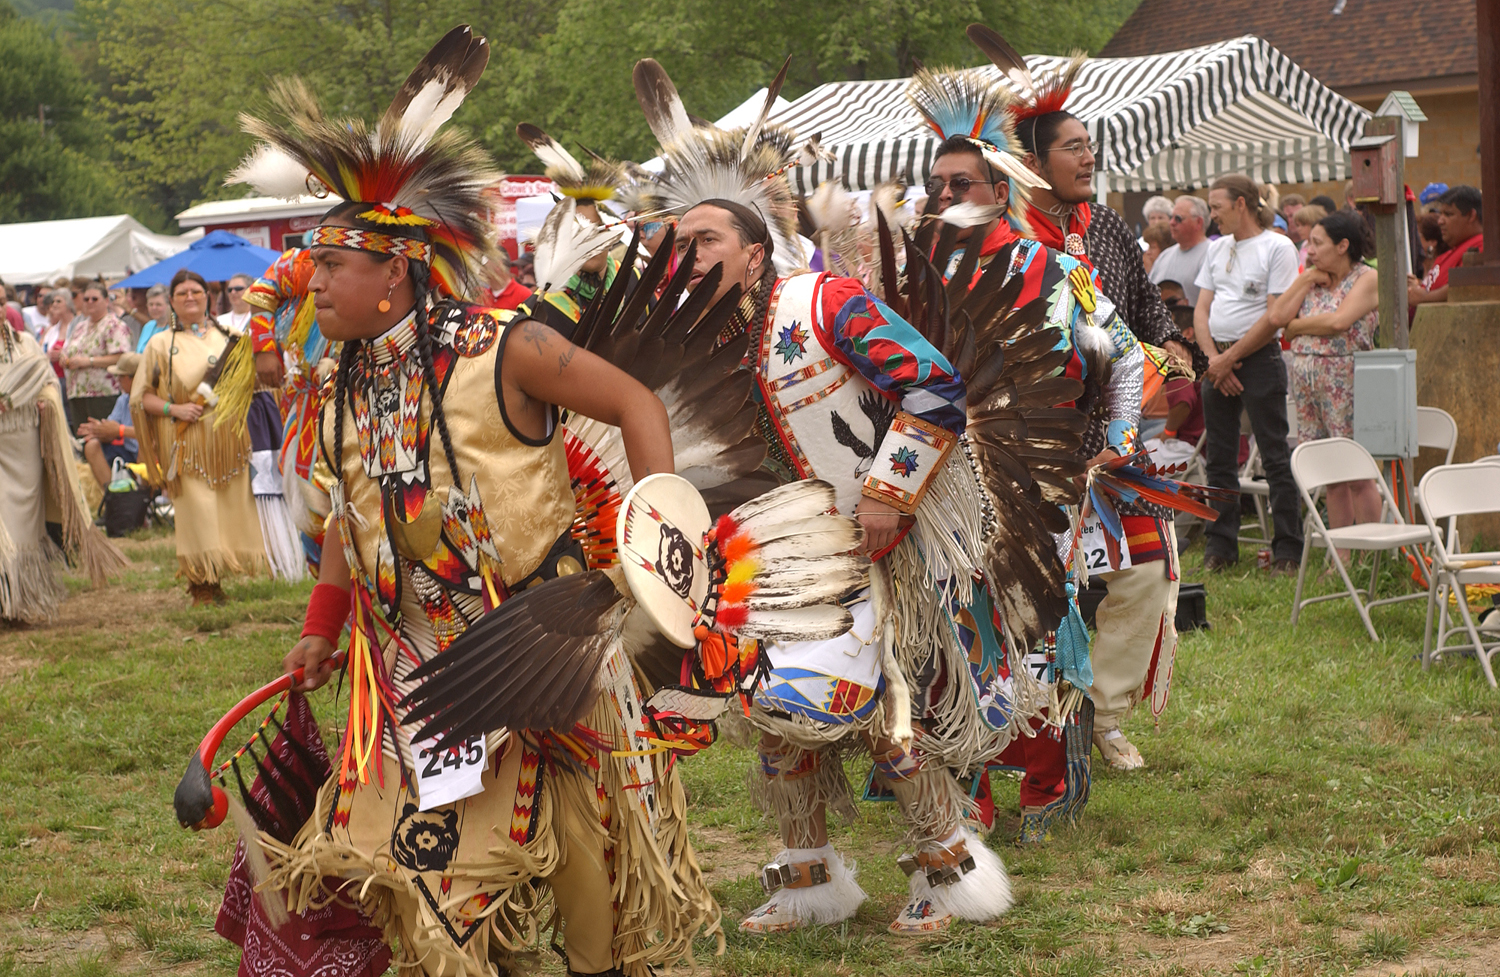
959	185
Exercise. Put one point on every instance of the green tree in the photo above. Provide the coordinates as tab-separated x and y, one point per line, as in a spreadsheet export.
48	146
172	76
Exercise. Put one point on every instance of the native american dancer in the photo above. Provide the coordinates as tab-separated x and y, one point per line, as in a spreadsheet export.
283	366
1137	638
974	182
39	482
852	393
205	469
498	763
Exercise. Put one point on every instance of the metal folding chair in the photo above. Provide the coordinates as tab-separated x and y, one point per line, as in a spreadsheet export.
1436	428
1445	493
1318	464
1253	483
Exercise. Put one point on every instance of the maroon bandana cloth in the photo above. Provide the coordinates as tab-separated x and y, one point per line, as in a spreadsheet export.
335	941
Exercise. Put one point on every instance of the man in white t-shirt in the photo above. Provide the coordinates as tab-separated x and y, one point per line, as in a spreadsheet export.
1180	262
1242	273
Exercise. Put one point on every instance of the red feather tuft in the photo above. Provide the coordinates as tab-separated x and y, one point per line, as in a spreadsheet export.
1051	92
731	617
725	527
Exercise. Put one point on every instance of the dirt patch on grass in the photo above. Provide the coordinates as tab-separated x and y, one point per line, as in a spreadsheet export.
1473	960
13	665
41	945
725	854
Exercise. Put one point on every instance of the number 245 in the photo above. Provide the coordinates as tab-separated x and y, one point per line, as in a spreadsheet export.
452	757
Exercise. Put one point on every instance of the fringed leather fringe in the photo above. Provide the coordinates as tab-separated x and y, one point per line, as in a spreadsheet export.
30	586
662	902
933	804
300	868
214	454
948	523
793	796
18	418
955	735
211	566
807	734
96	555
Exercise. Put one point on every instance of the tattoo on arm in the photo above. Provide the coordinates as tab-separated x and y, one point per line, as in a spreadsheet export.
536	334
565	357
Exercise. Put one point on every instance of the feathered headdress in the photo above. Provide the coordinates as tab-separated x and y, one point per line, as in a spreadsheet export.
963	103
600	180
1035	97
423	186
701	162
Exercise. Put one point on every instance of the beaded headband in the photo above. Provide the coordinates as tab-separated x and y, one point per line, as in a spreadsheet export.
359	239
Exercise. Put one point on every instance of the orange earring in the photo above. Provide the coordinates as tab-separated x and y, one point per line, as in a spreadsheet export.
384	305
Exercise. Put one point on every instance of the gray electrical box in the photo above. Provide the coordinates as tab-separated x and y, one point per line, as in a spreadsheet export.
1385	402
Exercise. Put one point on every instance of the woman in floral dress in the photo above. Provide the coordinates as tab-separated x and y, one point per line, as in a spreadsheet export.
1329	314
95	342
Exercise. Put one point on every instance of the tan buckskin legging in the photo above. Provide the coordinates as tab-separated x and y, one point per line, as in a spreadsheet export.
1128	620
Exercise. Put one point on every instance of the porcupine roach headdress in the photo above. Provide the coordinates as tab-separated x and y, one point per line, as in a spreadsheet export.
600	180
701	162
1035	97
425	186
964	103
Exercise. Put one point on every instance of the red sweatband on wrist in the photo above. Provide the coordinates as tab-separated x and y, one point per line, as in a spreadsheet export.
327	610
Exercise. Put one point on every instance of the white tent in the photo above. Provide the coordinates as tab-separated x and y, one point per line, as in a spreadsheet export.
111	247
1168	120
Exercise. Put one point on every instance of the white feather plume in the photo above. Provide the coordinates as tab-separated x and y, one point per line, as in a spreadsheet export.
566	242
271	173
970	214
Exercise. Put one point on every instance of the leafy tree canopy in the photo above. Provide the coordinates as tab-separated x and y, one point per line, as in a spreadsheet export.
49	147
170	77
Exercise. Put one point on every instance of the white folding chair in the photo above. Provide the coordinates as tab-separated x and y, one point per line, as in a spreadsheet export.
1253	483
1318	464
1436	428
1445	493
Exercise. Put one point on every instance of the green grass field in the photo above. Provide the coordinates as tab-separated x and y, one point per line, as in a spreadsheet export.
1314	803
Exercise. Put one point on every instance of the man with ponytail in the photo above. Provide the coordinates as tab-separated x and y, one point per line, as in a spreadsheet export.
1242	275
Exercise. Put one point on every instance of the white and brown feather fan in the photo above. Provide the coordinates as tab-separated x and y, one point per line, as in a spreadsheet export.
566	242
1024	447
675	351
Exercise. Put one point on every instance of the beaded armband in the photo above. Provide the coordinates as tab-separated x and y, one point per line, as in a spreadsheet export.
911	454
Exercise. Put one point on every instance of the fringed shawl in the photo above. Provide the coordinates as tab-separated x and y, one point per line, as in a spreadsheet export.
213	453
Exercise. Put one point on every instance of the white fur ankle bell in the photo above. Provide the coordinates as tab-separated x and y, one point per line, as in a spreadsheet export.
981	895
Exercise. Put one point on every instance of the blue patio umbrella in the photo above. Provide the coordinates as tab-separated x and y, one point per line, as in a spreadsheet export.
217	256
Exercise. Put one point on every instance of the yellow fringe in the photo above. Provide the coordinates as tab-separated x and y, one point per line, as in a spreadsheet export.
213	454
236	387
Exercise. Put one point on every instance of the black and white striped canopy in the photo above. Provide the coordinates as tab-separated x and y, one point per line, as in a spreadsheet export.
1167	120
